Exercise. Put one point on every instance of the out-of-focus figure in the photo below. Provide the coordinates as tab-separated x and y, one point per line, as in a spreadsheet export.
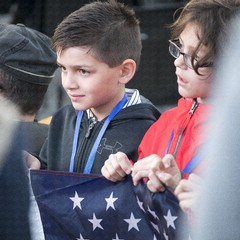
14	197
219	212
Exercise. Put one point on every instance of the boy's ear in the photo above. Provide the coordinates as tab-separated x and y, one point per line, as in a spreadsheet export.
128	69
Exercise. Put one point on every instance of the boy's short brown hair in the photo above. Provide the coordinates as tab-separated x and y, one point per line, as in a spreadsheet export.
109	29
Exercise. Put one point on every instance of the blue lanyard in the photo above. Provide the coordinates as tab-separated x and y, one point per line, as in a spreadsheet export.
193	162
169	142
75	140
93	152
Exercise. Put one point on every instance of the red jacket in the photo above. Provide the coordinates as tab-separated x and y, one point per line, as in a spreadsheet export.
179	132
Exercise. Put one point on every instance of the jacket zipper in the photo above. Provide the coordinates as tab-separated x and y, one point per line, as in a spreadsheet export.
181	131
89	130
85	145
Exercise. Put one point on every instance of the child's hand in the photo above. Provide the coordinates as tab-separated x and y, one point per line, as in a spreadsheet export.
31	161
188	192
159	172
144	166
116	167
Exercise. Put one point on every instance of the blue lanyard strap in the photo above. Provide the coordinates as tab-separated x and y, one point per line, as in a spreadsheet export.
169	142
75	139
192	164
93	152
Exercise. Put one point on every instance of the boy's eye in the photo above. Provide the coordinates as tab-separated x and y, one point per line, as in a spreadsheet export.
84	72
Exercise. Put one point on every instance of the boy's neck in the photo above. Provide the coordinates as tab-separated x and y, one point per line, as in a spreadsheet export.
99	116
102	112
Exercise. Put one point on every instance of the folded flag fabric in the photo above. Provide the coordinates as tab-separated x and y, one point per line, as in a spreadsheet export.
89	207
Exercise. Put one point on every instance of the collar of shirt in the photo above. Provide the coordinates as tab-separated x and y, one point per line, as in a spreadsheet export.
133	98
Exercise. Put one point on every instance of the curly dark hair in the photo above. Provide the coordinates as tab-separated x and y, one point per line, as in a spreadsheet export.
213	18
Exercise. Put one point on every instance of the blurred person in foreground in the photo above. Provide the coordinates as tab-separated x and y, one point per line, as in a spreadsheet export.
218	214
14	197
27	65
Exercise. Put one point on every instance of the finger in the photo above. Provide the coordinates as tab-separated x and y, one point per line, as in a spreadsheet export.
195	178
168	161
182	186
113	167
110	174
139	165
187	205
117	168
150	163
171	181
137	176
114	164
144	166
185	196
122	160
191	184
119	165
154	184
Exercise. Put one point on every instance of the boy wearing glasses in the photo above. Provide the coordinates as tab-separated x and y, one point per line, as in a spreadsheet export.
171	148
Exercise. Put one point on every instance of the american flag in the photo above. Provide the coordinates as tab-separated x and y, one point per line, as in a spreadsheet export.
89	207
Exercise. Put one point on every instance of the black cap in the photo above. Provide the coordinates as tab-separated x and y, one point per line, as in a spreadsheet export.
27	54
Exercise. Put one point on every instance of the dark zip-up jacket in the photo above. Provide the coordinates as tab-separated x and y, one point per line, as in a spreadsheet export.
35	135
124	133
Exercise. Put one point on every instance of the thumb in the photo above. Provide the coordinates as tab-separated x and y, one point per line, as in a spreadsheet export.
168	161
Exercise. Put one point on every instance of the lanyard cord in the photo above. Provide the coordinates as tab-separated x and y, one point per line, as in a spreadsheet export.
93	152
75	140
195	160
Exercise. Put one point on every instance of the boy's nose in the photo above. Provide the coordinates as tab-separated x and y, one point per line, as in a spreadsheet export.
179	62
68	81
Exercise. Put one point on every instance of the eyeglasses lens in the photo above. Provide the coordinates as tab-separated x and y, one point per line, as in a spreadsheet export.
174	50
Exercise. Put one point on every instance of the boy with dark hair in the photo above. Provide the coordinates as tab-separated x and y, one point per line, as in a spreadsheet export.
27	66
172	148
98	50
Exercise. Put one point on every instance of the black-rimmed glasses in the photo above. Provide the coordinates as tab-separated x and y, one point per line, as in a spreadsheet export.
175	51
188	60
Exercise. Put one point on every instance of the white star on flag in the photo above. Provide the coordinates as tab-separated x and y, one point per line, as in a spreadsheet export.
153	213
117	238
140	204
132	221
97	209
95	222
110	201
155	227
165	234
76	201
81	237
170	219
